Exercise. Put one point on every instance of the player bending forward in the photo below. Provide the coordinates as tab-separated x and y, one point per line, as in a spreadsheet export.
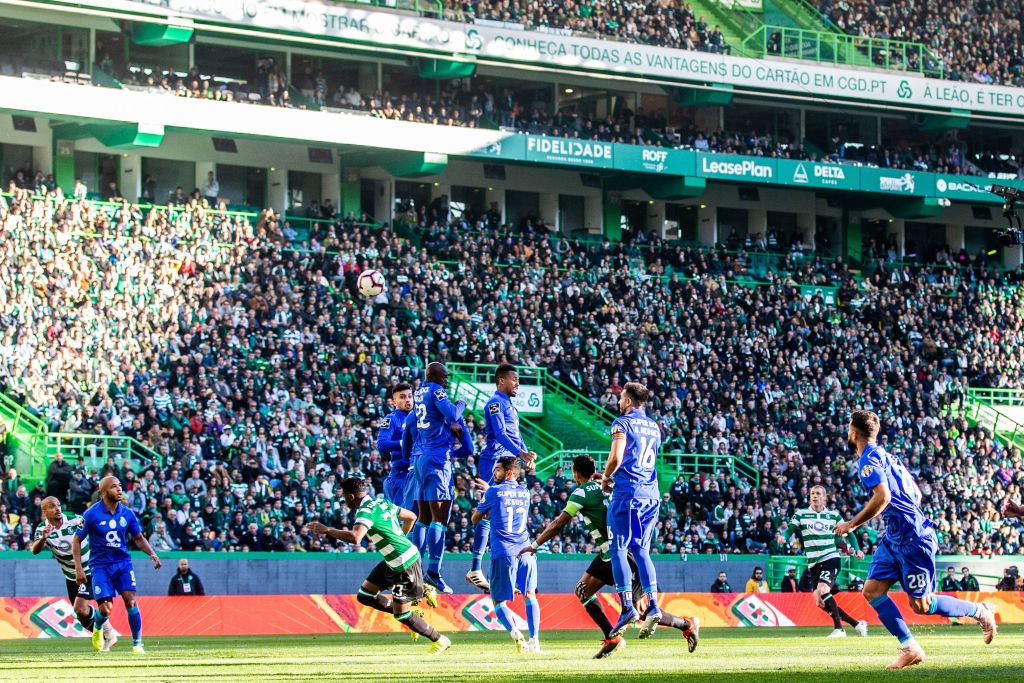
815	526
591	503
107	525
57	533
386	525
907	550
507	505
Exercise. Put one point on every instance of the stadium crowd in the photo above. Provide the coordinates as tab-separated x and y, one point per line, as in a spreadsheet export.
258	374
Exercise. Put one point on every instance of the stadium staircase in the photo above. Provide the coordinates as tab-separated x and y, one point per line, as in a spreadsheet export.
33	446
736	22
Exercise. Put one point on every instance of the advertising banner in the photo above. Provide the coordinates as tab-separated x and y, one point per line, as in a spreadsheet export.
550	49
335	614
819	176
658	160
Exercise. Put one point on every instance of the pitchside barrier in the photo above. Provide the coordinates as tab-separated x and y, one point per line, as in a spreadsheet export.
232	615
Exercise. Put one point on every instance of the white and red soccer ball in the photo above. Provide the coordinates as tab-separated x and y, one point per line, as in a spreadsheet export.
370	283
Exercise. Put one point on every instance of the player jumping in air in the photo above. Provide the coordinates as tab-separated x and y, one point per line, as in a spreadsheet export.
507	505
906	552
389	443
108	525
633	510
591	503
386	525
501	420
436	421
57	532
816	526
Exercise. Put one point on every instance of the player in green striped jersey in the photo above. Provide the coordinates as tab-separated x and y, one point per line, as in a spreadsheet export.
56	533
386	525
591	503
815	526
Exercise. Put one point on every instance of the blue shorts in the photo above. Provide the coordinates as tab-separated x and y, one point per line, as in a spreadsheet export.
911	562
509	574
394	488
110	580
632	521
437	484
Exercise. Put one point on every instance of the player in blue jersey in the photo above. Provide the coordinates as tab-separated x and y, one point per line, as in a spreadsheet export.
501	427
436	422
108	525
907	551
507	505
389	443
633	509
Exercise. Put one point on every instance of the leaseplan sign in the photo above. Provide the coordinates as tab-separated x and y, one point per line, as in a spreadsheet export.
732	167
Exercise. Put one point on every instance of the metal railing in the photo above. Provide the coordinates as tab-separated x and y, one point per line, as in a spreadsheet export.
669	465
996	421
93	450
841	49
434	8
997	397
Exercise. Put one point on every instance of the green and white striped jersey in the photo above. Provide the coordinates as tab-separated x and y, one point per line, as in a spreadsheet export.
59	543
592	503
384	530
817	534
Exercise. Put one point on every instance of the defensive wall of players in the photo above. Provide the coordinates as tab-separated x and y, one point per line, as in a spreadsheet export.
22	575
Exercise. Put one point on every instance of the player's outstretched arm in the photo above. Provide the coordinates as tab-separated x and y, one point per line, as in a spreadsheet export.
355	536
880	497
40	540
145	547
549	532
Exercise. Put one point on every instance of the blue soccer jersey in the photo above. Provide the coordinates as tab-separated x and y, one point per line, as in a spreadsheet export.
389	440
904	519
637	476
108	533
501	428
508	504
435	415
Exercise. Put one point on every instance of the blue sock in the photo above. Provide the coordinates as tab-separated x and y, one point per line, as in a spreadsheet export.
435	545
948	606
504	615
418	536
623	577
481	534
533	616
135	622
648	577
889	615
652	598
98	620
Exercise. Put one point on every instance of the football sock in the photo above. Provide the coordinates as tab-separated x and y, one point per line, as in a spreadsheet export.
889	615
377	602
832	607
135	622
481	534
652	598
623	575
648	577
504	615
596	612
418	536
674	621
87	622
948	606
533	616
435	546
98	619
418	625
845	616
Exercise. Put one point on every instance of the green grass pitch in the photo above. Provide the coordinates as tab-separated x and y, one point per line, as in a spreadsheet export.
955	654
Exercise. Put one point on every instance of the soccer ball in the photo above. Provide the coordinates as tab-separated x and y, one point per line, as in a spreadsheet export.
370	283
